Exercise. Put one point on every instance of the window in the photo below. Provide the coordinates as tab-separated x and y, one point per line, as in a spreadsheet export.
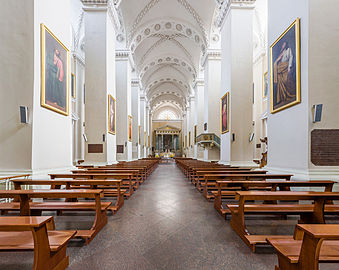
167	115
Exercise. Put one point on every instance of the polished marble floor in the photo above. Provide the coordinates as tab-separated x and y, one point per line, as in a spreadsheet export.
166	224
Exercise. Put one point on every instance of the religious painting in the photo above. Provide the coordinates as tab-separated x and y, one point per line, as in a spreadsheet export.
111	115
129	128
149	141
145	141
139	135
285	69
189	138
195	134
185	141
54	73
265	85
224	110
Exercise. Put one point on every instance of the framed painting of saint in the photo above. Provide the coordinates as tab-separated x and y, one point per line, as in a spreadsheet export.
285	69
265	85
111	115
224	111
186	141
195	134
54	73
139	135
189	139
129	128
73	85
145	139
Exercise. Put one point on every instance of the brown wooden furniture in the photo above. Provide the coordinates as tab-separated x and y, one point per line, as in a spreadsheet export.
127	184
210	180
309	213
112	188
319	244
28	208
30	233
228	189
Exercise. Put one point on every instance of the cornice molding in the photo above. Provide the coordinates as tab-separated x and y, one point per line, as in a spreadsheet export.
210	55
135	82
198	82
79	58
228	4
103	5
124	55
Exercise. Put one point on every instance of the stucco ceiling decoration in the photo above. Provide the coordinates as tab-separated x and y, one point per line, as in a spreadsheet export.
177	27
168	60
167	39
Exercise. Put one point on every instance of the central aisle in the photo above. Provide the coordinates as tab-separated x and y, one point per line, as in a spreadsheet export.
167	224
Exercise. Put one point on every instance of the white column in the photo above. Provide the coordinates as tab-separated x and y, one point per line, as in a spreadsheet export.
136	118
143	123
147	129
212	65
188	131
100	81
123	75
192	124
237	79
184	133
150	117
199	90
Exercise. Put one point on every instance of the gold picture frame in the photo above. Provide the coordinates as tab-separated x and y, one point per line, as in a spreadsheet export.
225	113
189	139
145	138
139	135
282	86
112	119
73	85
54	79
129	128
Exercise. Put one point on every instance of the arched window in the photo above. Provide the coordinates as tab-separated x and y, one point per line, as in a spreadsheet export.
167	115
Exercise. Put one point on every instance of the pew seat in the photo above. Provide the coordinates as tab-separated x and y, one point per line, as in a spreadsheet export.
319	243
32	234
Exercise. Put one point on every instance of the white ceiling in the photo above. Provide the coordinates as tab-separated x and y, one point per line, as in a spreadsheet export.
167	39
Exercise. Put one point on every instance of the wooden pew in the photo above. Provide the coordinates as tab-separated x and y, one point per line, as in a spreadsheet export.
127	183
114	187
210	180
139	174
28	208
196	174
31	234
309	213
226	189
319	244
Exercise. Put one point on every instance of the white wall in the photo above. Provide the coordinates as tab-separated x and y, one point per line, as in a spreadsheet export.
16	83
52	132
288	129
135	124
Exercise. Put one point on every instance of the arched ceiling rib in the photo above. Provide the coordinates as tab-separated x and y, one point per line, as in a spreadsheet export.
167	39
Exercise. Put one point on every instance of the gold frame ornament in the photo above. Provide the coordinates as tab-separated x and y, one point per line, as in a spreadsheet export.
130	128
43	102
296	25
73	85
227	96
112	99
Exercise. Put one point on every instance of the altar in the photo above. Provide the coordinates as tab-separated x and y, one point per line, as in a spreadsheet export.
167	140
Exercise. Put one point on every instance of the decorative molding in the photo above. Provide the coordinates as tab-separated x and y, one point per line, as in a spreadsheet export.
198	82
211	55
124	55
135	82
226	6
78	58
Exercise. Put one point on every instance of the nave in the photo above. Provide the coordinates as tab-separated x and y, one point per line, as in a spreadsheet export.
167	224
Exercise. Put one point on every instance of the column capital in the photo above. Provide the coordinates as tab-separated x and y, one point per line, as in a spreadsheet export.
198	82
228	4
211	55
135	82
103	5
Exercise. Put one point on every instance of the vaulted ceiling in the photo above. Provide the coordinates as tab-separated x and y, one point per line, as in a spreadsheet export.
167	39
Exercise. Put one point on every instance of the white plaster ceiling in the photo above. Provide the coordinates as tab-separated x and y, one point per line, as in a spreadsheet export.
167	39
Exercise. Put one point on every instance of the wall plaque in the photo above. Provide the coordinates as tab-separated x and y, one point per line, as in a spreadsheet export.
120	149
325	147
95	148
